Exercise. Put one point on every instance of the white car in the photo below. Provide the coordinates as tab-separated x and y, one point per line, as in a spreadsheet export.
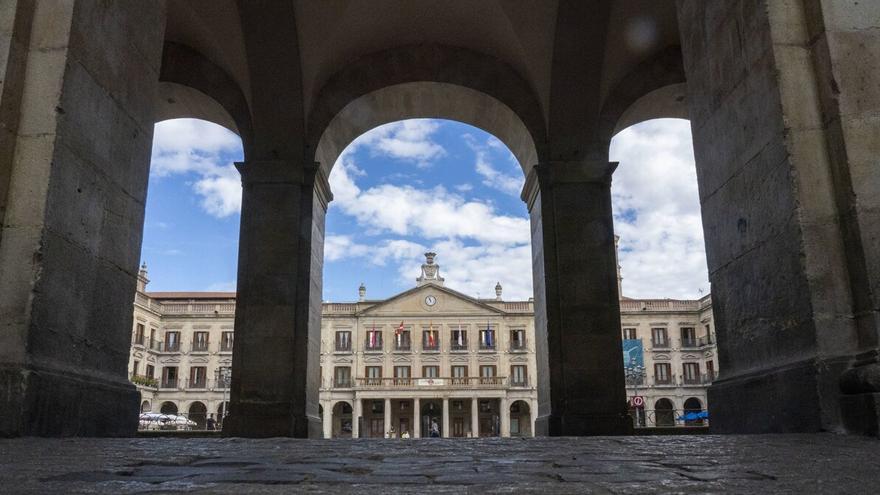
159	421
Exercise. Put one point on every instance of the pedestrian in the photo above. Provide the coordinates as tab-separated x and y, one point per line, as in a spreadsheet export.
435	429
211	423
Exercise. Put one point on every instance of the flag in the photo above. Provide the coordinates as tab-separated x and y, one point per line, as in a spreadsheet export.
431	342
372	336
459	335
488	335
398	333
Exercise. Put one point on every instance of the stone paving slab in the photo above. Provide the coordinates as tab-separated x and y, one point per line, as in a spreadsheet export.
821	463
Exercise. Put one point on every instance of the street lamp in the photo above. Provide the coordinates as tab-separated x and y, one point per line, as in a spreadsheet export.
222	375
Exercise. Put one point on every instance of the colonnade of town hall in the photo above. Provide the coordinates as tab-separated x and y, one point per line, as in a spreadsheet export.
456	416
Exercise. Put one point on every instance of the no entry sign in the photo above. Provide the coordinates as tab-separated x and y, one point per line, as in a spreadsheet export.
638	401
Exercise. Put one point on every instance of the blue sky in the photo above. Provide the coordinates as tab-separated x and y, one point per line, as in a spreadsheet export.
410	186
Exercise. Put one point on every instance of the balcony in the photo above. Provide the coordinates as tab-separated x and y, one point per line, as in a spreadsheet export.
660	344
690	343
456	347
155	345
404	347
139	340
431	348
197	384
344	382
169	347
487	347
373	348
200	346
226	347
519	383
706	340
169	383
518	347
342	347
664	382
432	383
144	381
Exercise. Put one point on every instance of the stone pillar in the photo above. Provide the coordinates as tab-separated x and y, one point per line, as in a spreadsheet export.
77	85
785	130
533	409
417	419
445	418
475	417
328	420
278	309
356	412
387	416
504	407
577	313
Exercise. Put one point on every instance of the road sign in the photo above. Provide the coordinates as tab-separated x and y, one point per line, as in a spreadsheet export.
638	401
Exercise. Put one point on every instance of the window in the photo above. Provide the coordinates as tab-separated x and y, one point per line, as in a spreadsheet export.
659	338
226	340
401	375
224	376
198	377
153	338
459	340
691	372
662	373
139	334
169	377
487	339
688	337
459	375
172	341
134	367
374	340
517	339
374	375
430	340
343	341
342	376
710	370
200	342
402	340
518	375
151	371
487	374
431	371
629	333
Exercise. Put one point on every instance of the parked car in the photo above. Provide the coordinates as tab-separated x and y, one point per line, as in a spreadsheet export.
159	421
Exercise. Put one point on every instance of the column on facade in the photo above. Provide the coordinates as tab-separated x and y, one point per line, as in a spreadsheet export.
328	420
387	416
446	417
504	405
417	419
788	186
278	308
76	124
577	315
475	417
533	414
356	413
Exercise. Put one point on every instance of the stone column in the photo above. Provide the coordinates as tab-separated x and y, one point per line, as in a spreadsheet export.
278	308
533	410
475	417
356	412
77	88
328	420
387	416
577	313
417	419
504	406
445	417
785	133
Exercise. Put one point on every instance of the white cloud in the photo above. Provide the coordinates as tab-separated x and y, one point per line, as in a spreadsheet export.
466	187
222	287
657	211
492	177
408	140
191	146
433	213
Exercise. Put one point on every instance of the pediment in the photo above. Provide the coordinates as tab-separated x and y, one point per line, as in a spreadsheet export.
519	359
402	359
413	303
199	360
374	358
344	360
172	360
430	358
459	359
487	358
661	357
690	356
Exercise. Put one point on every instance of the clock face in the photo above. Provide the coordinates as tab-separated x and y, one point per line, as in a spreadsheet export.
430	300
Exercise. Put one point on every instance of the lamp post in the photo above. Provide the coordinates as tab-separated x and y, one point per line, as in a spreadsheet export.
223	375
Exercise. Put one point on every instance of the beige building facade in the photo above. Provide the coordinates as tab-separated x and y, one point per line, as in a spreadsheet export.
429	361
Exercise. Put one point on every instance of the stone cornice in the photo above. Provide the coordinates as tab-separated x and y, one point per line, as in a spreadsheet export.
546	175
286	172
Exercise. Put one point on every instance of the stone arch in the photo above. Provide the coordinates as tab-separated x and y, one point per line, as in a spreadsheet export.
190	85
168	407
342	419
655	88
693	405
664	412
520	419
198	412
429	81
146	406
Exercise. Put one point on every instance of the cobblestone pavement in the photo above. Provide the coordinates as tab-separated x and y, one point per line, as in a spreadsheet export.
821	463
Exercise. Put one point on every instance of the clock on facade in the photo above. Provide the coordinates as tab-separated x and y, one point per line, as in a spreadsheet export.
430	300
